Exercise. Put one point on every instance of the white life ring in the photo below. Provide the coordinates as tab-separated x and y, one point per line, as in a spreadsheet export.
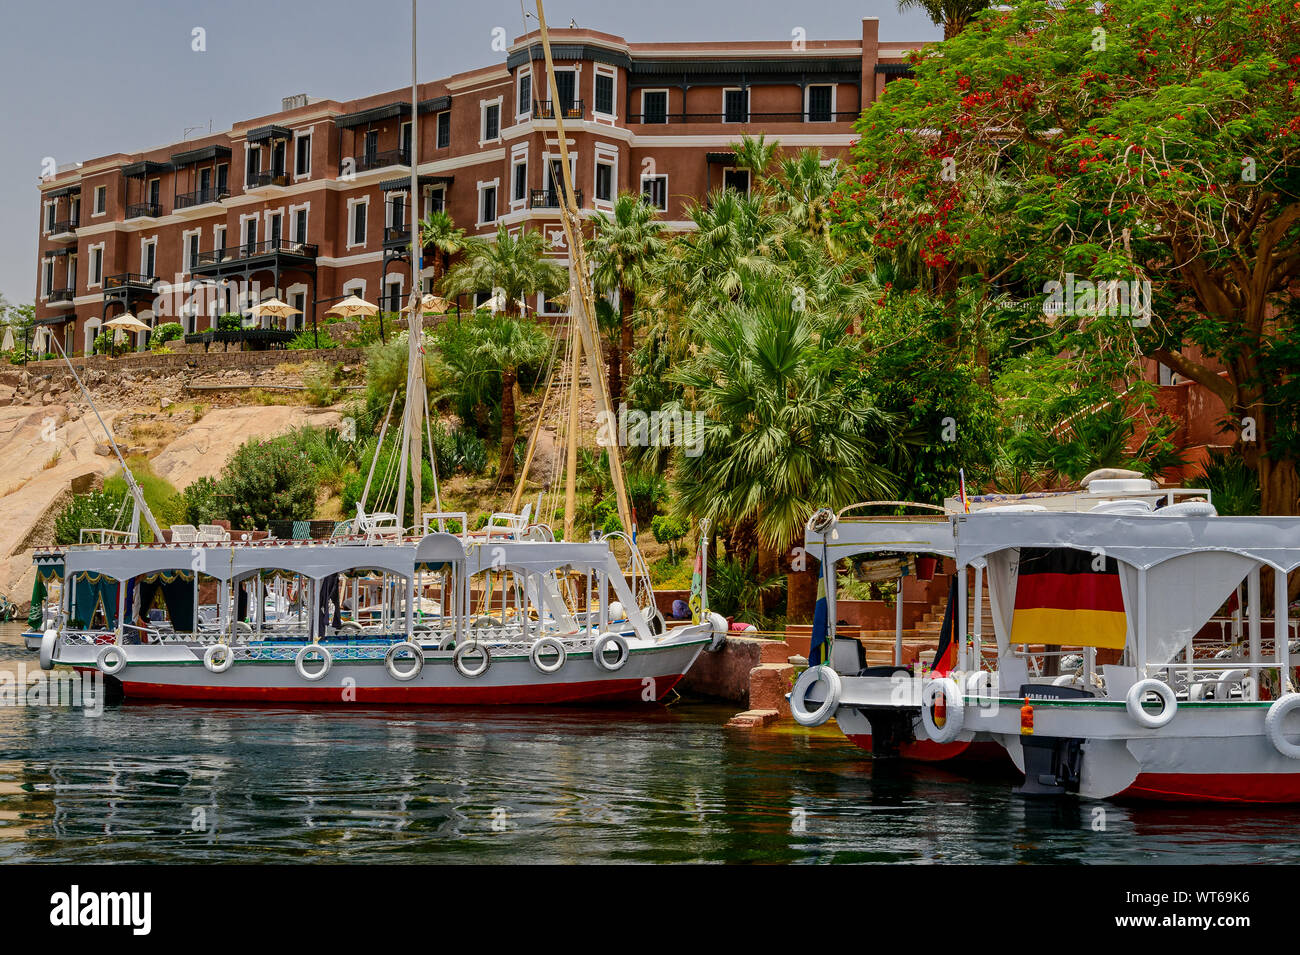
548	645
109	667
1133	701
394	670
956	705
48	642
300	662
602	643
719	624
1273	725
210	658
465	649
799	696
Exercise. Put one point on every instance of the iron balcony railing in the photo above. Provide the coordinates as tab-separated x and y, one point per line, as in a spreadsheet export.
375	160
660	119
545	109
198	197
150	210
397	235
60	296
258	180
551	198
248	250
129	280
64	226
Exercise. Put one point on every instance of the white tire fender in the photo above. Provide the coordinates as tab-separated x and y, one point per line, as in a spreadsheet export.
210	658
603	643
395	669
1273	720
799	696
300	662
1133	702
49	641
465	649
548	645
956	707
111	659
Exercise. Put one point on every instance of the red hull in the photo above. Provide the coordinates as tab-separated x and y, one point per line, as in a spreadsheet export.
928	751
1216	787
596	691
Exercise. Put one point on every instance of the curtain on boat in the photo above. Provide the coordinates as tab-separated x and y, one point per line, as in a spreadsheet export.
1001	577
1182	594
94	593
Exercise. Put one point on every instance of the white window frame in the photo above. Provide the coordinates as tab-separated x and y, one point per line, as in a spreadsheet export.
144	244
297	135
427	195
488	184
807	91
523	116
296	322
388	206
47	276
94	208
548	158
748	102
243	228
48	215
437	121
391	279
355	287
518	157
657	175
352	222
293	220
667	104
576	70
605	155
219	231
187	267
268	214
749	177
483	106
613	75
91	250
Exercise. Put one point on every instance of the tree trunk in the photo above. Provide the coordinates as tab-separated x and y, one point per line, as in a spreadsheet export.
625	304
613	371
508	424
801	595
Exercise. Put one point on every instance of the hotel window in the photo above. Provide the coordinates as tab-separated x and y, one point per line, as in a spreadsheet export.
397	211
654	106
405	141
155	192
520	193
394	296
488	207
435	199
96	265
51	209
253	164
604	94
525	106
300	225
821	104
566	83
737	179
48	279
655	190
491	122
250	232
72	272
735	106
302	156
444	129
357	227
191	251
219	238
101	200
274	222
605	181
149	258
223	179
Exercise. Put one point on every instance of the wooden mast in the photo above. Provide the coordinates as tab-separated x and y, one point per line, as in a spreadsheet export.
584	314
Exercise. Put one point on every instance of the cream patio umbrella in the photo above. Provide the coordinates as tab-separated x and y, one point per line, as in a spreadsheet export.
354	306
124	323
431	305
273	308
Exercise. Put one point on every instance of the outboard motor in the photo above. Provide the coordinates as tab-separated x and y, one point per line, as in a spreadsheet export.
1052	764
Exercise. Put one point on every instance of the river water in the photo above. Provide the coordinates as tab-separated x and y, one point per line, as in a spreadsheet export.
193	784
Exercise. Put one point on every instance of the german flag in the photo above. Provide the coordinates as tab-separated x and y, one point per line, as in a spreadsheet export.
1068	597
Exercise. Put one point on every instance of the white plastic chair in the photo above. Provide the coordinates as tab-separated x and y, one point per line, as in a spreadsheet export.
184	534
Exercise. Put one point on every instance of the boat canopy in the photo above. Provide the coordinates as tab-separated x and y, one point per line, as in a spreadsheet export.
868	535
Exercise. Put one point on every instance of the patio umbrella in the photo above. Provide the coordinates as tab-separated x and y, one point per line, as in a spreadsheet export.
274	308
431	305
127	322
354	306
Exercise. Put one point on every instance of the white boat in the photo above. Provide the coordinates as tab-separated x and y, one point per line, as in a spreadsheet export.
524	643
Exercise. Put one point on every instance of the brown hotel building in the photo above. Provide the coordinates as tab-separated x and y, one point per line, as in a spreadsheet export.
312	203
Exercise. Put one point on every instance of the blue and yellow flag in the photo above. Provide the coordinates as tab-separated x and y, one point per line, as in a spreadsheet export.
821	618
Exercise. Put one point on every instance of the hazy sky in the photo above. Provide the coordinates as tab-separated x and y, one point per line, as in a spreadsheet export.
84	79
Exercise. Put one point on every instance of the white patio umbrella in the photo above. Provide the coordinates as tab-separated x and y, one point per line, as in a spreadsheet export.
353	306
431	305
127	322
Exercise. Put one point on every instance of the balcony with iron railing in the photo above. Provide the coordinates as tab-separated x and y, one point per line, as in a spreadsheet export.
265	180
375	160
742	118
545	109
251	250
551	198
144	210
199	197
129	282
63	229
60	297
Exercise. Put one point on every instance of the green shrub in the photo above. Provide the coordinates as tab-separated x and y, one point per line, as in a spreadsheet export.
230	322
94	509
647	491
669	529
307	338
200	504
166	332
471	452
268	481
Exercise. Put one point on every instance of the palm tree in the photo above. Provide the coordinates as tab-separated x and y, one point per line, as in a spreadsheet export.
623	252
507	343
953	15
802	191
439	232
789	426
516	265
755	155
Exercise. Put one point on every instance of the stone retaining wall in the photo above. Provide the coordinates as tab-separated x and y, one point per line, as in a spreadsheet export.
196	363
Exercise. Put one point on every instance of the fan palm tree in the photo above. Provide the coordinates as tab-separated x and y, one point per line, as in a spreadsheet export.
518	266
623	252
953	15
755	154
439	232
789	426
802	189
507	343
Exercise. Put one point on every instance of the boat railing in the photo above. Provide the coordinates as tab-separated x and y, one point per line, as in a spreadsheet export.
105	535
442	519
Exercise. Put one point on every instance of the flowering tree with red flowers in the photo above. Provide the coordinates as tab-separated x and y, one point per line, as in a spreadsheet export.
1155	144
